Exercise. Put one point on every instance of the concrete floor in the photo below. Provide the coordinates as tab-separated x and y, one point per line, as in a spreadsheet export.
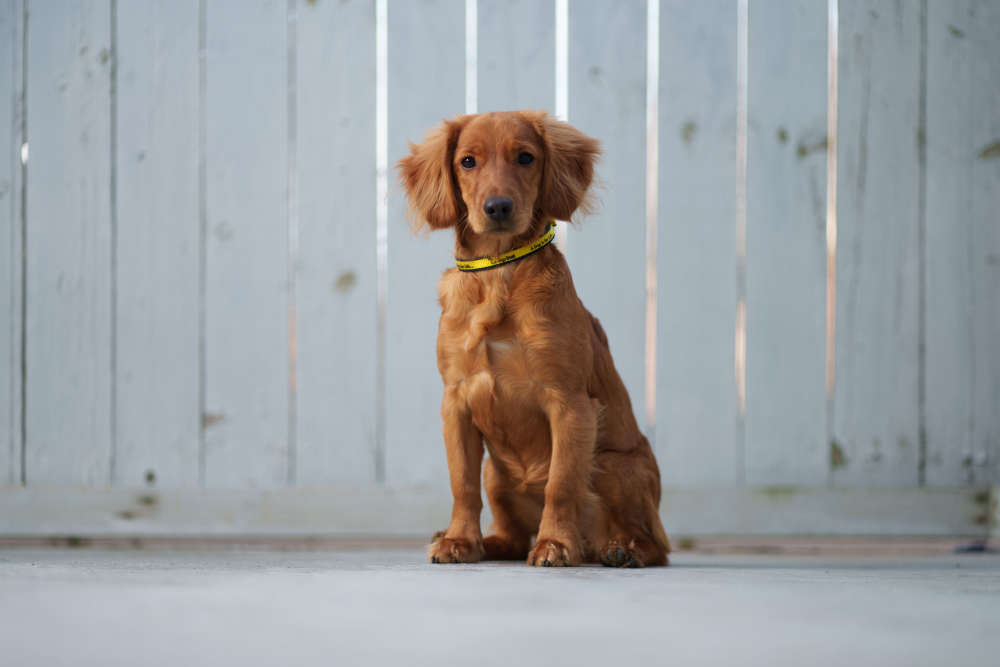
388	607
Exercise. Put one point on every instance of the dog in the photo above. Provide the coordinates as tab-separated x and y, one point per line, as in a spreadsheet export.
527	371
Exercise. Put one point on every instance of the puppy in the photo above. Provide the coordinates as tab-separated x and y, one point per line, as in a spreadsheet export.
526	368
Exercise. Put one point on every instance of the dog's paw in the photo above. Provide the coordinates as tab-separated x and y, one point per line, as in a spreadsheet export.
621	553
454	549
552	553
500	547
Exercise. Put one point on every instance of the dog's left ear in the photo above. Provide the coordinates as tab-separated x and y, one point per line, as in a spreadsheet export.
569	166
427	177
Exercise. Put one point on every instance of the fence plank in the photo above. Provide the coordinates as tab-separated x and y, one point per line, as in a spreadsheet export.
696	399
786	244
425	79
335	270
516	56
68	357
11	88
875	425
607	100
246	299
159	243
963	242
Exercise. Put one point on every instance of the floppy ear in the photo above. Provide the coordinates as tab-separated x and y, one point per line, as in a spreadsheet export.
427	177
569	166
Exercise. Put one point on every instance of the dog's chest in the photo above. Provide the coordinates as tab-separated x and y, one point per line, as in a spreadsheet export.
490	365
485	359
498	373
503	401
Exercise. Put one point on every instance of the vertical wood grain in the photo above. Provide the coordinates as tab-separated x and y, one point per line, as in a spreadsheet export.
425	77
69	253
607	100
113	252
876	413
516	58
963	242
11	89
786	244
335	273
158	411
246	300
696	399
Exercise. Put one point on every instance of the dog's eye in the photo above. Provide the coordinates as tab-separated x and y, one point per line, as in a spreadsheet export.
468	162
525	158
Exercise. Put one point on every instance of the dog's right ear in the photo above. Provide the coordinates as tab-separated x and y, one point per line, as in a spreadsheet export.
427	177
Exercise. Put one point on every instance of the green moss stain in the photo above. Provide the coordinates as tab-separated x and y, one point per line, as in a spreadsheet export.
838	459
956	31
688	131
990	152
685	544
779	491
782	135
345	281
804	150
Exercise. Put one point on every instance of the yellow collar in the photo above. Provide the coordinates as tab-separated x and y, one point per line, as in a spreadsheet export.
483	263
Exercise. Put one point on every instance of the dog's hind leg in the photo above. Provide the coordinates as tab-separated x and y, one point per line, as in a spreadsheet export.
629	486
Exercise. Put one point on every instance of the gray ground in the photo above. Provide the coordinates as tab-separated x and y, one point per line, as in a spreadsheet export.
388	607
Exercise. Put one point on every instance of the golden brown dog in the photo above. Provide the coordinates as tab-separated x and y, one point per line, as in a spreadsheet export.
526	367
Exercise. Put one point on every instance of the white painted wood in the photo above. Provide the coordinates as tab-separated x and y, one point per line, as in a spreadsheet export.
335	272
426	84
159	243
69	253
786	244
124	319
368	510
516	56
246	300
11	89
607	100
876	418
696	399
963	242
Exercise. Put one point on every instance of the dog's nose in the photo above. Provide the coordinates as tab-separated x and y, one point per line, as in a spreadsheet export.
498	209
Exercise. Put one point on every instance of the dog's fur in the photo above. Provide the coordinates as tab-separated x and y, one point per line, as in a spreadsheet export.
526	367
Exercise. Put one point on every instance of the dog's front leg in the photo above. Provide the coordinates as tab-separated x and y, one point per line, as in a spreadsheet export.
573	424
463	541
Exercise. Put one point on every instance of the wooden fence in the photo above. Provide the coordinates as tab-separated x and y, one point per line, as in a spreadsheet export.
215	317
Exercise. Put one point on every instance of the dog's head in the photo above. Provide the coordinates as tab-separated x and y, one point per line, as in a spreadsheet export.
498	172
